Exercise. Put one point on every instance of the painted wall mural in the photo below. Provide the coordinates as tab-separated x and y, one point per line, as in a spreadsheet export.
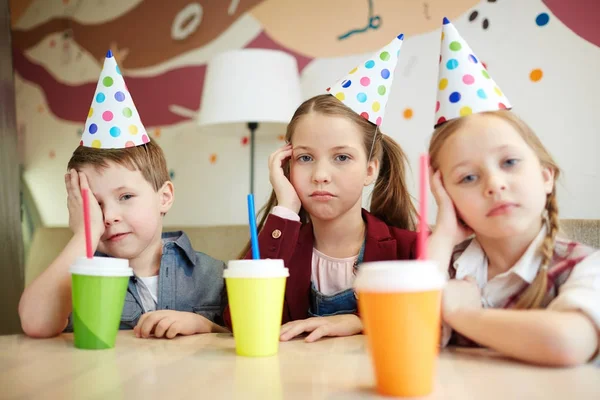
581	16
163	48
151	32
155	42
350	27
178	86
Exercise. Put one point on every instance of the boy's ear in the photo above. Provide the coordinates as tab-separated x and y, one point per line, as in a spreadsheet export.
167	196
372	171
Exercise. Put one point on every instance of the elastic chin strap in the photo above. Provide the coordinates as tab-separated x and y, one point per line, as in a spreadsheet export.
373	143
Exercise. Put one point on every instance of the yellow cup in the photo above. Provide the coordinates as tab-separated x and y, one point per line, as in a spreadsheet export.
256	289
400	305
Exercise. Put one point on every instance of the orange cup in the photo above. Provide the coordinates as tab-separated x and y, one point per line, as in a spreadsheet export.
400	306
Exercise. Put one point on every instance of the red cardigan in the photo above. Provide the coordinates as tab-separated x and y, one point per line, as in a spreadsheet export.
292	242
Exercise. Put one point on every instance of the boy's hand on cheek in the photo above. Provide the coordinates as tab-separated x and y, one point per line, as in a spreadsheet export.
335	325
75	183
169	323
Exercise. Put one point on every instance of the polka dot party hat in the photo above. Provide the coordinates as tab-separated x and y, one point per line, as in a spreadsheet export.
464	85
366	88
113	121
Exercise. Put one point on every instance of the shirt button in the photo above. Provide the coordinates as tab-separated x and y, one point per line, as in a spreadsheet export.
276	234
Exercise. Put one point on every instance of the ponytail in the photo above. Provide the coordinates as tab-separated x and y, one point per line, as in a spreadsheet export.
390	200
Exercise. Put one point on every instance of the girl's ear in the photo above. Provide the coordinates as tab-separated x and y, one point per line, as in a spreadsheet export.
548	177
372	171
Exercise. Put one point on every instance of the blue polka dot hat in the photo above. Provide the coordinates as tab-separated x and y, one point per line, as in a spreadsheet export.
464	84
113	121
367	87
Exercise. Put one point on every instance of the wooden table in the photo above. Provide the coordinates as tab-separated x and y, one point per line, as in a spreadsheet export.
206	367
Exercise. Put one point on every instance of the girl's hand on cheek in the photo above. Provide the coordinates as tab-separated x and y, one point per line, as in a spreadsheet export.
448	223
285	192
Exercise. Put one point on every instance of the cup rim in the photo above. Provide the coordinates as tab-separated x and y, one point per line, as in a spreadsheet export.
110	267
249	268
399	276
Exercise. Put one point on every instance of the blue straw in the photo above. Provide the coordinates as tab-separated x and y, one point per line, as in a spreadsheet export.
253	232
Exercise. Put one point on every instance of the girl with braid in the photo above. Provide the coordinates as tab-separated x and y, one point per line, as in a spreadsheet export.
515	286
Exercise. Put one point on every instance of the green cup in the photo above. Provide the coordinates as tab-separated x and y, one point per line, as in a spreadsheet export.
99	286
256	289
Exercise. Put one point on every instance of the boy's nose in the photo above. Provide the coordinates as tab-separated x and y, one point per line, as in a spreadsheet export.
110	221
111	217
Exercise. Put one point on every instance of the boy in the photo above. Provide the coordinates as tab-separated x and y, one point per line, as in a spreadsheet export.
174	290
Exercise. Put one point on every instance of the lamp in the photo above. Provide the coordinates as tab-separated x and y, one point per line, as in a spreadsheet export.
250	86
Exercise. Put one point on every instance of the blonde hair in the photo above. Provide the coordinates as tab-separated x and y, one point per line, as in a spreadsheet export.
149	159
390	199
533	296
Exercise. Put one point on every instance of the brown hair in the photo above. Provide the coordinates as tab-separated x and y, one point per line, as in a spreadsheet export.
149	159
390	200
533	296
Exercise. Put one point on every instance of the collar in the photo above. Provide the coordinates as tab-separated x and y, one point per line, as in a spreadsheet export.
473	258
182	241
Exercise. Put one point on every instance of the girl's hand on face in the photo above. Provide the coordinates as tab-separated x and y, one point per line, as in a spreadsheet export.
448	223
285	192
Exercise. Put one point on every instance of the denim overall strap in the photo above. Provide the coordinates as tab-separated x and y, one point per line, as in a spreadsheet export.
344	302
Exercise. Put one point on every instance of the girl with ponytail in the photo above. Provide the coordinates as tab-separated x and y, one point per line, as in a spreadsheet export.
314	219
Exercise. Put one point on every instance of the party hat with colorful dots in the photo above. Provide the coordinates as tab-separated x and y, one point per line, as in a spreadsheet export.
113	121
366	88
464	85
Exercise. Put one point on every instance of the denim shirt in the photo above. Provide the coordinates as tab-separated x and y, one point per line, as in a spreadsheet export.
187	281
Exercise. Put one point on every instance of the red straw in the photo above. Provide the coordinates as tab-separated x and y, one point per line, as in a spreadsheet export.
423	188
86	222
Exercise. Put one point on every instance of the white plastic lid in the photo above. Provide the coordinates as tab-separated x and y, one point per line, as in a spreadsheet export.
399	276
255	269
101	266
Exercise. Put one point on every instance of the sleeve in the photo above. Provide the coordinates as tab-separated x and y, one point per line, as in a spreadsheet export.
581	292
286	213
207	279
278	238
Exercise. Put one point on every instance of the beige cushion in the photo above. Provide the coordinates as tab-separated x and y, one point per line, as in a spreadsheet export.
586	231
225	242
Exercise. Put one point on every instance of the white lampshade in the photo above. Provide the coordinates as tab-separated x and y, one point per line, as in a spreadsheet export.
250	85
